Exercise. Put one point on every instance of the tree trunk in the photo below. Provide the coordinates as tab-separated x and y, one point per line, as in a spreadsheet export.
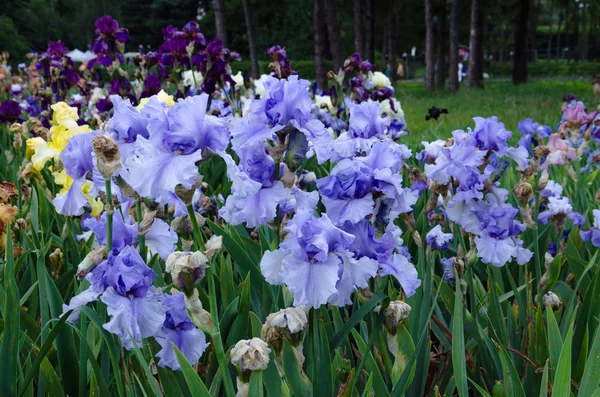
392	39
333	33
549	49
558	36
369	32
429	48
359	45
441	50
475	72
251	42
320	44
453	57
219	6
520	59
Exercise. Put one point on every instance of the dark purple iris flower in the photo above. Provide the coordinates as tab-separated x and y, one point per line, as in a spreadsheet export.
281	63
10	111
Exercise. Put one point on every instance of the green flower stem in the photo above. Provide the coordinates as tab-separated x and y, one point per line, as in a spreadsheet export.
216	336
195	228
216	333
109	215
141	236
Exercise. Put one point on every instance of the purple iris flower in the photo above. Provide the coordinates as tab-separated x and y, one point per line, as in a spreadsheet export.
10	111
287	105
178	330
108	27
178	136
346	192
437	239
593	234
315	264
255	194
160	238
281	63
558	208
77	157
132	303
127	123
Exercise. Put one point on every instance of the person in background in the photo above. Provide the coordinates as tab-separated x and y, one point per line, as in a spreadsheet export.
400	70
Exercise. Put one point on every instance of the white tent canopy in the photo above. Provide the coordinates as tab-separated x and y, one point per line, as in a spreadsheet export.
80	56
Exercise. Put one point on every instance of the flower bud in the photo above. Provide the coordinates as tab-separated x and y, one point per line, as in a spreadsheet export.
108	157
186	269
200	317
186	195
541	151
552	300
213	245
395	313
91	260
294	319
291	322
16	128
56	258
250	355
523	191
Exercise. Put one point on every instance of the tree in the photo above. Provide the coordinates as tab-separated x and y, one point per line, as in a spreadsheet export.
475	73
251	42
333	33
441	46
369	32
358	36
320	43
520	59
219	7
392	39
453	57
429	48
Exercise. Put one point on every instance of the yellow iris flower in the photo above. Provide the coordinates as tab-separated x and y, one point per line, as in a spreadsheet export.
64	127
162	97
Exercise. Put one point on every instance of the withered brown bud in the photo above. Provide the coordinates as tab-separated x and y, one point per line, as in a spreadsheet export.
25	192
186	195
523	191
541	151
598	195
21	224
108	156
18	141
16	128
42	132
56	258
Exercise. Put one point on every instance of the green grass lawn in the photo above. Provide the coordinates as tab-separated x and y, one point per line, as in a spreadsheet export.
541	100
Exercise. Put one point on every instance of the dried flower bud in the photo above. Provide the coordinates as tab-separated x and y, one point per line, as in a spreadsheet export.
395	313
147	220
543	182
18	142
273	336
541	151
186	195
91	260
523	191
552	300
186	269
598	195
16	128
108	157
213	245
250	355
21	224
